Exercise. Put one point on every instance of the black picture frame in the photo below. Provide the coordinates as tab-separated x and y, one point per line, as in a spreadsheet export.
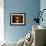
17	19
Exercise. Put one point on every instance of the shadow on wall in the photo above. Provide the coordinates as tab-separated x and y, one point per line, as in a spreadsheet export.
39	16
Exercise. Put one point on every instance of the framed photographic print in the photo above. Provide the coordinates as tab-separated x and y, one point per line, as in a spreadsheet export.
17	19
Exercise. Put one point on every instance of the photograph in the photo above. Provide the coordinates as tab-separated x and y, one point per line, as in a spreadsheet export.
17	18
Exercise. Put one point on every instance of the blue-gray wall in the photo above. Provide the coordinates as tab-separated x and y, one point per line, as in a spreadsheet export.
43	6
30	7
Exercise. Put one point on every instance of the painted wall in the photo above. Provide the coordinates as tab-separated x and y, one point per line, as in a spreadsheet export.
30	7
43	6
